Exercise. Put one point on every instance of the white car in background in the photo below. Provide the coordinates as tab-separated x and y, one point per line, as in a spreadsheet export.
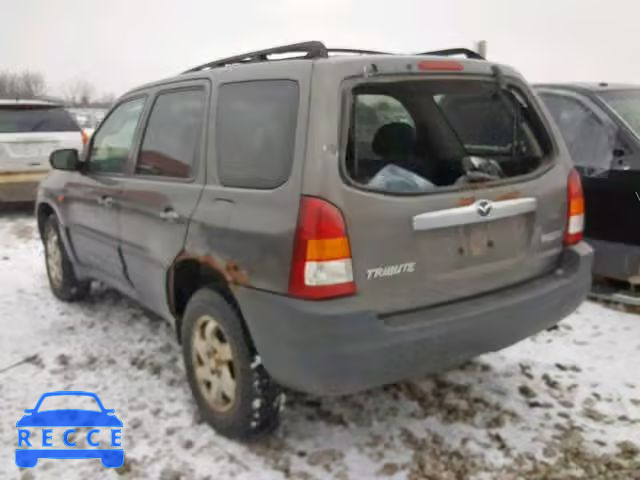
88	119
29	131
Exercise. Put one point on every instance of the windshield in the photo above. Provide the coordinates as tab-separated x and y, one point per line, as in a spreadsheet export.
625	103
418	136
35	118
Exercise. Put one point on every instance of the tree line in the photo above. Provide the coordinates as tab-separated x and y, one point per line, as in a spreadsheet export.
29	85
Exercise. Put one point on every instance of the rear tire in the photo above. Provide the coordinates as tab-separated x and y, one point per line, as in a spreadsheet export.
62	278
233	391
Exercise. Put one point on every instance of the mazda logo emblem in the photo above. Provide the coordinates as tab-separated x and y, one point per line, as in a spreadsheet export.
484	208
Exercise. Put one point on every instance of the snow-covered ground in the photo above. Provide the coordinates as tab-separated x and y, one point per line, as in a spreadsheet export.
564	404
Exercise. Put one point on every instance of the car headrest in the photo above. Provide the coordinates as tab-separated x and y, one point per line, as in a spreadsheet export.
394	139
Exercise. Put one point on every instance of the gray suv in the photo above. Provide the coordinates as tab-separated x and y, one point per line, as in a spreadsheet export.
325	220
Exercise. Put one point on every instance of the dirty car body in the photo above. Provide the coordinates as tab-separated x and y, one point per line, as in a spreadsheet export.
601	125
435	263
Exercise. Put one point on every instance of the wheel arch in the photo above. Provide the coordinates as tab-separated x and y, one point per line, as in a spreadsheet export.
188	274
43	211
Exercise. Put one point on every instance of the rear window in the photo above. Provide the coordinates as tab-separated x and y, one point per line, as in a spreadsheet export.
256	127
35	118
420	136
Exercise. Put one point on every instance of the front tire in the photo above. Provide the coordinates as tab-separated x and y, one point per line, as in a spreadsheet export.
62	278
233	391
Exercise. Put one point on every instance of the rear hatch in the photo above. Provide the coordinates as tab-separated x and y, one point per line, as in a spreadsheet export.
452	188
30	132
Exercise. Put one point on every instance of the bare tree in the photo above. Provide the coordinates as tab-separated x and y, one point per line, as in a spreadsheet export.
22	85
105	100
79	93
33	84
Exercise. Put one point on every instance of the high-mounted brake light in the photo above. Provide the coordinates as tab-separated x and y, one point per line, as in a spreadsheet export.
321	266
575	209
441	65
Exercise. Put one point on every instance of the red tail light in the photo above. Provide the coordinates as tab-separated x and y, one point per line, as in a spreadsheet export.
85	137
321	266
575	210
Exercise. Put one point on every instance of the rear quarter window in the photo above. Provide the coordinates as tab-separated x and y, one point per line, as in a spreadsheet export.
35	118
256	126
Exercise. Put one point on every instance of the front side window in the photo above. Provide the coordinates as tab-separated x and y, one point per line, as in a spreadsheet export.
173	133
419	136
256	128
112	143
590	141
625	103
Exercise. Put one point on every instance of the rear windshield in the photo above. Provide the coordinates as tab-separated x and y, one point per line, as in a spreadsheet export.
625	103
25	119
420	136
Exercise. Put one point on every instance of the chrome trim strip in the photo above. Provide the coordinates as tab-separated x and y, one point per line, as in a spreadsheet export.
470	214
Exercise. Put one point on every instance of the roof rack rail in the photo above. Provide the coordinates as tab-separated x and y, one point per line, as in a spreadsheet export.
312	49
355	51
449	52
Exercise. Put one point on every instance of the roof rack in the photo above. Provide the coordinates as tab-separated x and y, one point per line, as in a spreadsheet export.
455	51
311	50
355	51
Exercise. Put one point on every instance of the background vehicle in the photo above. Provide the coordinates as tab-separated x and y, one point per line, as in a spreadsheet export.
600	124
29	131
87	119
326	223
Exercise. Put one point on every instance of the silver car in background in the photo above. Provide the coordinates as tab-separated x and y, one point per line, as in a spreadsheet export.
29	131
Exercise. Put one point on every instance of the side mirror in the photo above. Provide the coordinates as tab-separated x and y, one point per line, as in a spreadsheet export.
29	410
65	159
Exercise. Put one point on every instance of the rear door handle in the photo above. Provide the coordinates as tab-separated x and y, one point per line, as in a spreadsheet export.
169	215
106	201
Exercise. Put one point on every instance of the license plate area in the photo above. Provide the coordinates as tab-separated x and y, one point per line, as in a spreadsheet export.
476	240
508	237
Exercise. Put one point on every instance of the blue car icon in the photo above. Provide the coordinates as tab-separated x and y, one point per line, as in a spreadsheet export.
28	457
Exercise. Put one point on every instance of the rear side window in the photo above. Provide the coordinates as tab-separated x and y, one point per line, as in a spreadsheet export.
256	127
173	133
590	141
419	136
35	118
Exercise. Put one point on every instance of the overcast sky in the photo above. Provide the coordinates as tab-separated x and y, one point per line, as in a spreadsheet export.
118	44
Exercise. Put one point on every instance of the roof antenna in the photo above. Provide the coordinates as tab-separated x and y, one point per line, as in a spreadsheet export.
497	73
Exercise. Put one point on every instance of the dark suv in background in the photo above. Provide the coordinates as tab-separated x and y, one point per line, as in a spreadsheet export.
327	223
600	124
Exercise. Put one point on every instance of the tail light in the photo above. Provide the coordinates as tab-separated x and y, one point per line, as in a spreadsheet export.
85	137
575	210
321	265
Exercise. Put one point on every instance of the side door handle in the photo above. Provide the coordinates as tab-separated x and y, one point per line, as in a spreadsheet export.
106	201
169	215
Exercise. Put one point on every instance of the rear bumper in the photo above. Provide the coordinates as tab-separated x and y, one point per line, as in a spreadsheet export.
20	187
619	261
325	348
